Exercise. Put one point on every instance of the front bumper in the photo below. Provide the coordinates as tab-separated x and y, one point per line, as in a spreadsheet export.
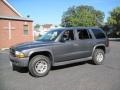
20	62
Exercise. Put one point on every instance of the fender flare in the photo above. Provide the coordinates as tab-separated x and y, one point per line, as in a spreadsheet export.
38	51
96	47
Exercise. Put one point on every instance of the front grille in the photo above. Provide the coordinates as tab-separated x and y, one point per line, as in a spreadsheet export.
12	51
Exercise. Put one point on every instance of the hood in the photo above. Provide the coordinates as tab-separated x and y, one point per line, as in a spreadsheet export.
33	44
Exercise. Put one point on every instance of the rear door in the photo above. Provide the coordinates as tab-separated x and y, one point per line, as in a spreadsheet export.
84	44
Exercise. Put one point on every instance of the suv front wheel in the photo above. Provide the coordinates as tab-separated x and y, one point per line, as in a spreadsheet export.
39	66
98	56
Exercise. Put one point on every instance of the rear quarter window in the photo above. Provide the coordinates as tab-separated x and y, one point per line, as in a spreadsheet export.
99	34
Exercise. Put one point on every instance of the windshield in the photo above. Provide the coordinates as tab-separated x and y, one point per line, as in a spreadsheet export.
50	36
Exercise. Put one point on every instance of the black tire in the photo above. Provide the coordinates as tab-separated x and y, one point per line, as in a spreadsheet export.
17	68
95	59
34	65
14	67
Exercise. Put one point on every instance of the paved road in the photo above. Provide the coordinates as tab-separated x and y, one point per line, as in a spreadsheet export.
81	76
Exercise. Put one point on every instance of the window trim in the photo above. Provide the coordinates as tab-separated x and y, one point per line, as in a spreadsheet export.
26	30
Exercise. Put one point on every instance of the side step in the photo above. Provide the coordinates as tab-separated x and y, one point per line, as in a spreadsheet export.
71	61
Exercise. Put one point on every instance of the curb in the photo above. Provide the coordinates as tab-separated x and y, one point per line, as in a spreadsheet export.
2	50
114	39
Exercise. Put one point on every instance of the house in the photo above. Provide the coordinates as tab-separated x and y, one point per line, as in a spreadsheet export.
42	29
47	27
14	28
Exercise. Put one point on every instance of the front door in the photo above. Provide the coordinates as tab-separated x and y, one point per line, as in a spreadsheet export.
63	50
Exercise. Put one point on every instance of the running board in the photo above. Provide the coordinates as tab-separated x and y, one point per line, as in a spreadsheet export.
71	61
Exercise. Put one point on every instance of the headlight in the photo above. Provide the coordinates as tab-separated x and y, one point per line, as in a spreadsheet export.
19	54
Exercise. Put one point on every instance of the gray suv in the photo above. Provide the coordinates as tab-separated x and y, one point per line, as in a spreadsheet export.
60	46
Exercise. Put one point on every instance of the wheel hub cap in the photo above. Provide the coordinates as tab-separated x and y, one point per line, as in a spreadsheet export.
41	66
100	57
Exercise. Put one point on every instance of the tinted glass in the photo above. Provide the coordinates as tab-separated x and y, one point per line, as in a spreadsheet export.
98	33
83	34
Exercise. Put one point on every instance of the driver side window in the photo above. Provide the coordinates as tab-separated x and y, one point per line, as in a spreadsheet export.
68	35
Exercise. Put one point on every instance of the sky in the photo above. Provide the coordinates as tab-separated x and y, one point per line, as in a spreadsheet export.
51	11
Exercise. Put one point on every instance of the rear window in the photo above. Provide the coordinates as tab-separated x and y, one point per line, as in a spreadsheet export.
98	33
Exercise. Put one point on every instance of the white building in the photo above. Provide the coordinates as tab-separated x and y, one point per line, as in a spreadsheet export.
45	28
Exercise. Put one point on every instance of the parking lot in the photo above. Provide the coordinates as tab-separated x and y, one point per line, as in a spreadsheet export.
79	76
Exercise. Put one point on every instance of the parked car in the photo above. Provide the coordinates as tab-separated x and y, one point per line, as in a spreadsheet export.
60	46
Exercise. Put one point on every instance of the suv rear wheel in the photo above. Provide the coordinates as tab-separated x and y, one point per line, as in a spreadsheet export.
98	56
39	66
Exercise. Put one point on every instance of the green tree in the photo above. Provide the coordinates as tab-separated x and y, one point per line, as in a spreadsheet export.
114	21
82	16
36	27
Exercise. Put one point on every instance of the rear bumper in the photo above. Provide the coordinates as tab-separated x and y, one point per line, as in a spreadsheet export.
20	62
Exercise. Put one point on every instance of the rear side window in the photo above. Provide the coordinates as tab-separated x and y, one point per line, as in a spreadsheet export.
98	33
83	34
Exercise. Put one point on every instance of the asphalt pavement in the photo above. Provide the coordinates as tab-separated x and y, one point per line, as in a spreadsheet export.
78	76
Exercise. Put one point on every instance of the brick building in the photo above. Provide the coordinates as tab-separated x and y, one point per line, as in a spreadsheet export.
14	28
